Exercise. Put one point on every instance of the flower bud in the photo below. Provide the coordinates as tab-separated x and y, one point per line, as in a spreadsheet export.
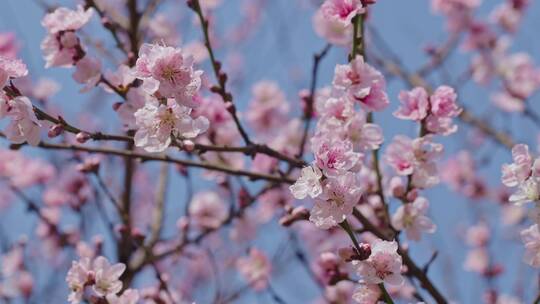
82	137
188	145
55	130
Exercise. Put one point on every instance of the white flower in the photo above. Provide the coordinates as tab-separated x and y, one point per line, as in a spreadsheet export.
308	183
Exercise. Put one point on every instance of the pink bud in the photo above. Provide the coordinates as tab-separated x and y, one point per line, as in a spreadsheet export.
412	195
82	137
230	107
188	145
55	130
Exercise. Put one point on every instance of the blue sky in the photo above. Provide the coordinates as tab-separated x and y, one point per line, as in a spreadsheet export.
281	50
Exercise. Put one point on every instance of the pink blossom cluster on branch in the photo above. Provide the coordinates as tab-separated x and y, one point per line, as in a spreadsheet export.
200	196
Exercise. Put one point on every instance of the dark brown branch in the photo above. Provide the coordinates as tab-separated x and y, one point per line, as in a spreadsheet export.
308	111
165	158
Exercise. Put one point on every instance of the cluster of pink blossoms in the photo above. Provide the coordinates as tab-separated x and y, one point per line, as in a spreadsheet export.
96	277
62	46
24	125
341	138
436	111
171	84
524	173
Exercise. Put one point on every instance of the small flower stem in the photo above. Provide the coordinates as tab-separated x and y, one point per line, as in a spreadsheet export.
345	225
387	298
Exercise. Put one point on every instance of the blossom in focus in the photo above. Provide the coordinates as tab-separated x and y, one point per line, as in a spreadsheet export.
531	239
24	125
517	172
255	268
208	210
308	183
411	218
362	83
415	157
99	273
107	277
342	10
168	72
414	104
332	30
340	195
383	265
334	156
157	122
524	174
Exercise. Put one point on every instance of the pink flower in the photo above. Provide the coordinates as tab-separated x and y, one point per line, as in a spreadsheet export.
61	47
268	109
531	239
167	71
64	19
443	102
528	191
99	273
400	155
362	83
157	122
208	210
383	265
10	69
88	72
129	296
77	278
8	45
415	157
411	218
255	268
367	294
364	136
334	156
342	10
517	172
340	195
309	183
334	31
414	104
107	277
24	125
